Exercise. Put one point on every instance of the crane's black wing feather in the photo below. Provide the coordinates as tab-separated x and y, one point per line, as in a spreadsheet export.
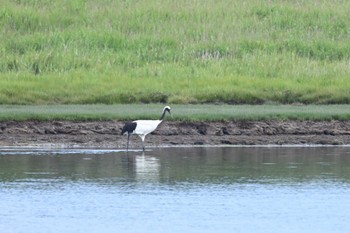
129	127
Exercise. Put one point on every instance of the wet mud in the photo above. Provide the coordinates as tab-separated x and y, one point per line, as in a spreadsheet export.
107	134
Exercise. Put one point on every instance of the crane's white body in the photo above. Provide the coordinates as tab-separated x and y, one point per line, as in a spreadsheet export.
145	127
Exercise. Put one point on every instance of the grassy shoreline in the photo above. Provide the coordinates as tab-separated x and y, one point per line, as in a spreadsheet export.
176	52
180	112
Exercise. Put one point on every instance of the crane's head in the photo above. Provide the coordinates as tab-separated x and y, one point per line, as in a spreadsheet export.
167	109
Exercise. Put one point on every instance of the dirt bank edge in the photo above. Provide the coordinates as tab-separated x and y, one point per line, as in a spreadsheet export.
106	134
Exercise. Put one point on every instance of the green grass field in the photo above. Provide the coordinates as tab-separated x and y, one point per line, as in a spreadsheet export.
177	52
198	112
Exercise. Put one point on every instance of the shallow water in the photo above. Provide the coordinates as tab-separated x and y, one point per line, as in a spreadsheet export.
233	189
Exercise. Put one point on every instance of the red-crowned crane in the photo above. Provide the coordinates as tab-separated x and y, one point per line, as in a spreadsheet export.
143	127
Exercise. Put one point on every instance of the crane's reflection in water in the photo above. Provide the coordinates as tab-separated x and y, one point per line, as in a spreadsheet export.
147	168
142	167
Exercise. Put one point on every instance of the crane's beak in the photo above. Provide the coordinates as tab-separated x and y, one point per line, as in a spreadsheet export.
171	115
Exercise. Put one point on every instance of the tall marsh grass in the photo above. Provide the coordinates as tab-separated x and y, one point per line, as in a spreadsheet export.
198	51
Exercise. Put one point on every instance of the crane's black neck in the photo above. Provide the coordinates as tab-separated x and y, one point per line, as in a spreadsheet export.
162	116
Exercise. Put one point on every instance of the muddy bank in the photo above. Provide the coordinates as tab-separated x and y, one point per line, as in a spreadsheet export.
107	133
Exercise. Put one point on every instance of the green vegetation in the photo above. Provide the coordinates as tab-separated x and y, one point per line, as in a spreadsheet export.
186	112
167	51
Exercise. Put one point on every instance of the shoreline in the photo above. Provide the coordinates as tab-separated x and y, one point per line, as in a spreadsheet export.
106	134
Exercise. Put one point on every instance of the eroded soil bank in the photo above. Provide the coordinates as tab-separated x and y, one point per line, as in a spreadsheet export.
107	133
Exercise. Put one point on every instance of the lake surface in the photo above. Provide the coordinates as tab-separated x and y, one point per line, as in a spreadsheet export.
218	189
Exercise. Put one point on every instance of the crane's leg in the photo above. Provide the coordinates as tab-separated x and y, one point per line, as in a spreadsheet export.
127	145
143	141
